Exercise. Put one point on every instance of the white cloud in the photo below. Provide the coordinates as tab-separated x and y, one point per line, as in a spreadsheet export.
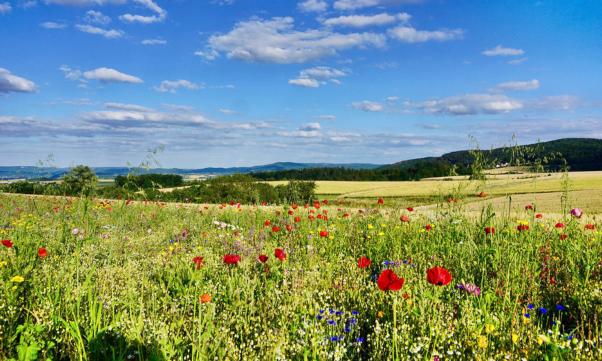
517	61
172	85
359	21
360	4
519	85
555	102
313	6
276	41
327	117
470	104
408	34
209	54
154	42
502	51
160	14
84	2
5	8
10	83
52	25
368	106
28	4
109	34
310	127
96	17
316	76
108	75
305	82
227	111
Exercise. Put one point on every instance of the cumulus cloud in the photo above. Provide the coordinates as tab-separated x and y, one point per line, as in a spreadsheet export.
171	86
368	106
276	41
408	34
502	51
517	61
10	83
160	14
305	82
108	75
310	127
109	34
471	104
519	85
5	8
360	4
52	25
96	17
359	21
154	42
313	6
316	76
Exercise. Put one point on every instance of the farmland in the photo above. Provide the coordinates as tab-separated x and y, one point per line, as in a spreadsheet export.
90	279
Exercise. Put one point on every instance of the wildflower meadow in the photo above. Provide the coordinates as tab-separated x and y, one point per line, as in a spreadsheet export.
84	279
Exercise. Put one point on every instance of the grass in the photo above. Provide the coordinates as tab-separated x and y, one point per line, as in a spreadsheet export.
119	282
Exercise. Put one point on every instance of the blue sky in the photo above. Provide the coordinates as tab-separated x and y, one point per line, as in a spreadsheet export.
235	82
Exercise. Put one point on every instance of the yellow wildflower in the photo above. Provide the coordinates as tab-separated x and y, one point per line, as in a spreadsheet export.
17	279
489	328
514	338
482	341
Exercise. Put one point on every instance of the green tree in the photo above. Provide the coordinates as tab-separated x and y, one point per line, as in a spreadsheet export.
81	180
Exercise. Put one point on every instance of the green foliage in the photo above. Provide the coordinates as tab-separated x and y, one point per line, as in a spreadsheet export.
133	181
119	283
80	180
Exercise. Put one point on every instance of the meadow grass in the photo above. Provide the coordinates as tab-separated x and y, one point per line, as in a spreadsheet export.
119	282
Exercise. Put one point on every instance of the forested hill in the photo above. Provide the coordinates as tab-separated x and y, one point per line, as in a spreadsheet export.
580	154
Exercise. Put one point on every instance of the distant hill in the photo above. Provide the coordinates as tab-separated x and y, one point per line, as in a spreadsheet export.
581	154
50	173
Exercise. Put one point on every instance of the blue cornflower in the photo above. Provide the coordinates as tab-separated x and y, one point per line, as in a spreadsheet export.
569	337
405	261
319	317
354	312
334	338
386	263
338	313
560	307
321	311
332	322
527	315
530	306
543	310
331	311
360	339
347	329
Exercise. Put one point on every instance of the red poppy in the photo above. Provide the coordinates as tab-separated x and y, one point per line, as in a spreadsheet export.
297	219
438	276
482	194
539	216
325	201
389	281
279	253
262	258
267	223
294	206
198	261
231	259
559	225
590	226
275	229
7	243
563	237
346	215
291	212
529	207
428	227
404	219
410	209
289	227
364	262
489	230
323	233
311	217
316	205
42	252
380	201
522	227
